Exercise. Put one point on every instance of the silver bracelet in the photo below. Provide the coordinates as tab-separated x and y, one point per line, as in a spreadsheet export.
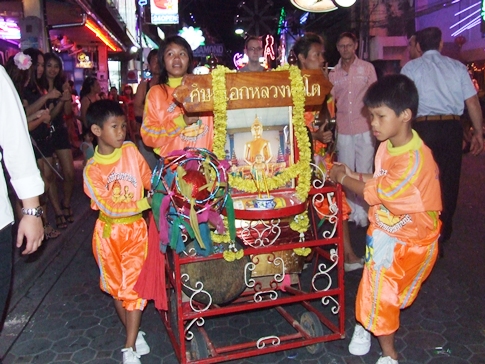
342	179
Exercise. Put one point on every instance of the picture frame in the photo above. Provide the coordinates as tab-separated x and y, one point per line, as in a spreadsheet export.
259	143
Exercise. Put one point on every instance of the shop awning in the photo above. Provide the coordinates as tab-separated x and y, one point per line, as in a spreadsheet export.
83	27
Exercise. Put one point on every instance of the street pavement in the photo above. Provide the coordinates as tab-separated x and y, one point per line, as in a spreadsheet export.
58	314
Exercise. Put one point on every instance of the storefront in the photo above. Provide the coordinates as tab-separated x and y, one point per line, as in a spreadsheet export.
10	15
85	34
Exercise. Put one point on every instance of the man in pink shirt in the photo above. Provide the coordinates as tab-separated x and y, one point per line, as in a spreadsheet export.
351	78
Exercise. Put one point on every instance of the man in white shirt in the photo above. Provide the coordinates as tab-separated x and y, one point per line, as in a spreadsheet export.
25	178
444	88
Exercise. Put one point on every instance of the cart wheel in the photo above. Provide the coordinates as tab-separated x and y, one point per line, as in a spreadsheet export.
312	325
198	347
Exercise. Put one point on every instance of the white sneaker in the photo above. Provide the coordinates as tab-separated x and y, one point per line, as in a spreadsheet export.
360	343
141	345
387	360
349	267
362	222
130	356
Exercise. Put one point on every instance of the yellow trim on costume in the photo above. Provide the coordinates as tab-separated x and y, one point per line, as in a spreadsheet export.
99	258
174	82
179	121
143	204
107	158
109	221
413	144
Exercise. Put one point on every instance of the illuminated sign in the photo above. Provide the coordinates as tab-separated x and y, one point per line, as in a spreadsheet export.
9	29
99	33
269	48
164	11
282	20
193	36
314	6
482	16
206	50
83	61
240	59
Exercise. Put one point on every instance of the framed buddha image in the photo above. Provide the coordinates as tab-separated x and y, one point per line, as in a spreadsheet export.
259	142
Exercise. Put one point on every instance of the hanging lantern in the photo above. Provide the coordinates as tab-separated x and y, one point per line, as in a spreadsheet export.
460	40
345	3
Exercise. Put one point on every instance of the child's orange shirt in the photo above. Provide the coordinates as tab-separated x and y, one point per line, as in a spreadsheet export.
116	182
404	196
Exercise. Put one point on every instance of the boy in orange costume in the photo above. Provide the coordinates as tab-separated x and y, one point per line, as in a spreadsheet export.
405	202
115	180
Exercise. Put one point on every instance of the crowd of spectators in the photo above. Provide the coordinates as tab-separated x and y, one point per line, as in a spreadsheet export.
57	126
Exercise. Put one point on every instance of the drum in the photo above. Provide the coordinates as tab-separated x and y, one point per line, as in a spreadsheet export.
223	280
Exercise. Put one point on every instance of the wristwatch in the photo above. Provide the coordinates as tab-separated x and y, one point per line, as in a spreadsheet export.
37	211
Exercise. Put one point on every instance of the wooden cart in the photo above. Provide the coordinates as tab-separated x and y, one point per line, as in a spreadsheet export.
269	275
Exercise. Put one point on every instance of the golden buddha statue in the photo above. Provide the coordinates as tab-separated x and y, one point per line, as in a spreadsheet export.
258	146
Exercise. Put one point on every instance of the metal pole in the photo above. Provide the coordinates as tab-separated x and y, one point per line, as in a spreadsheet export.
141	15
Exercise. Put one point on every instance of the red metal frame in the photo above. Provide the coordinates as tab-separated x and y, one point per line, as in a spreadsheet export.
188	319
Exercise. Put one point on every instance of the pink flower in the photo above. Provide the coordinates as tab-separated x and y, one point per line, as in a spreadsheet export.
22	61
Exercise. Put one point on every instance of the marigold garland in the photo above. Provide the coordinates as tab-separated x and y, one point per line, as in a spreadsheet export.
221	238
220	109
300	170
300	222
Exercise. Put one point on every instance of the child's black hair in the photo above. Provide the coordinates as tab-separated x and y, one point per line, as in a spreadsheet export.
397	92
100	111
87	132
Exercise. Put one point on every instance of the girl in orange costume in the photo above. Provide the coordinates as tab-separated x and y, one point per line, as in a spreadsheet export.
166	126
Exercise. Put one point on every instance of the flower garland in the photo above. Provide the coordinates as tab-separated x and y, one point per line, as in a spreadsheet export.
220	109
221	238
300	222
301	169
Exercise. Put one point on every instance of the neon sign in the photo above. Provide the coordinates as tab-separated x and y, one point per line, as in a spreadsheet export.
193	36
269	47
92	27
240	59
9	29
